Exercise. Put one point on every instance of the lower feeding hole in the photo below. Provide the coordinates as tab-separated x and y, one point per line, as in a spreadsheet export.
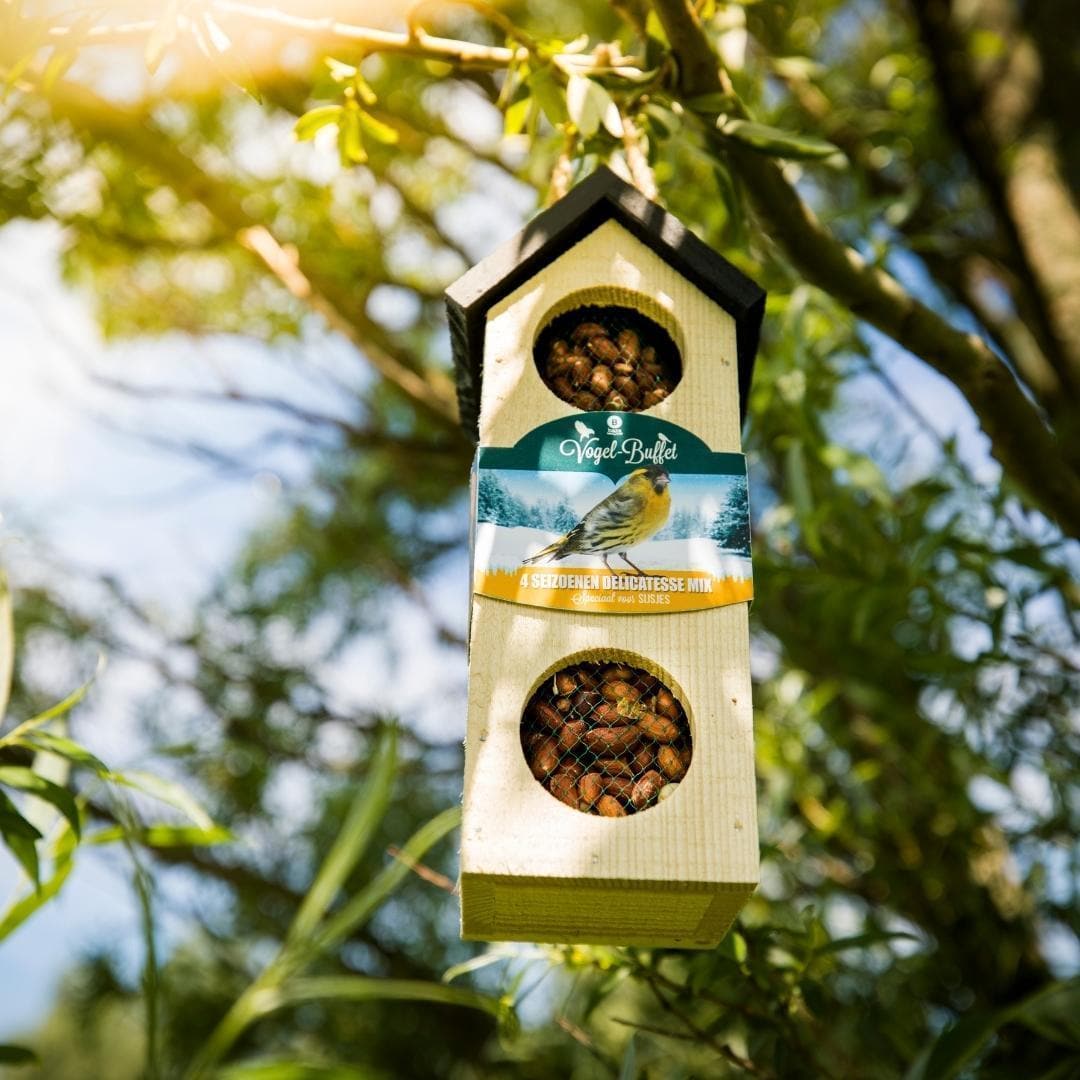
606	738
607	356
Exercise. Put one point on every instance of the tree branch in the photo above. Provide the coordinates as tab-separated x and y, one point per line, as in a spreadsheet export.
328	30
992	120
131	130
1019	439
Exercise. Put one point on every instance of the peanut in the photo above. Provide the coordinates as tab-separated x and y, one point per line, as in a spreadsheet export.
612	740
563	786
562	388
620	690
643	760
600	383
590	788
585	401
615	767
607	713
619	786
547	717
646	789
580	372
564	683
629	344
571	733
587	330
665	703
658	728
546	759
609	806
667	757
604	349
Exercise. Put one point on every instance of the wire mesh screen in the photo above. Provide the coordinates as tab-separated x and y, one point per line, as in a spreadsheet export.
606	738
608	357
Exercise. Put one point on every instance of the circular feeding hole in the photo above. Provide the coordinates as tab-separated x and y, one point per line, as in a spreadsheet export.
606	738
607	356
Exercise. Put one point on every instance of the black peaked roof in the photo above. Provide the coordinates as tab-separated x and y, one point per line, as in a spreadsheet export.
601	197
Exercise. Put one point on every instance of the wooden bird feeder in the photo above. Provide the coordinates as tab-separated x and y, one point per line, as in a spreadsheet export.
660	871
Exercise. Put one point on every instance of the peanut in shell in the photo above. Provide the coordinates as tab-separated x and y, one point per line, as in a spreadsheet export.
658	728
612	740
609	806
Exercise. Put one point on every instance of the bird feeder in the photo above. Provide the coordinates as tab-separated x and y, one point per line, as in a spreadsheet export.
603	360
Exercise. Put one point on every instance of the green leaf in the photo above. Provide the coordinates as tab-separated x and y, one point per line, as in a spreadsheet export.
350	139
516	115
955	1048
379	131
363	89
710	104
358	910
801	494
340	72
495	955
587	102
367	810
289	1069
166	791
861	941
23	779
21	838
63	860
1053	1013
549	95
732	196
59	709
315	120
163	836
11	821
7	646
66	748
774	142
628	1070
362	988
734	947
17	1055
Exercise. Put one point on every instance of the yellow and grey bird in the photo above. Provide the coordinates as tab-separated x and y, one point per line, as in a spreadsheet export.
634	511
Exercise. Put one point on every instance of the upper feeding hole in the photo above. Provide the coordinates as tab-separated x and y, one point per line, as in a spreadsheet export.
608	356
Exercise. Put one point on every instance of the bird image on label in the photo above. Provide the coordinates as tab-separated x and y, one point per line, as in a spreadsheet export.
636	510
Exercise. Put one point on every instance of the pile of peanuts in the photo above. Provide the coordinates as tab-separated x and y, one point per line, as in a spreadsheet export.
601	368
606	738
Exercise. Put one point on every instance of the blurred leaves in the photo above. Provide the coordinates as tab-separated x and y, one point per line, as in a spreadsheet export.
314	932
773	141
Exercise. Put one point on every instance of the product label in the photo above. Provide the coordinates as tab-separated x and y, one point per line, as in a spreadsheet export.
611	512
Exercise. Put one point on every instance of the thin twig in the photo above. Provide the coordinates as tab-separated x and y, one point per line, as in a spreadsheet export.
703	1036
366	39
433	877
